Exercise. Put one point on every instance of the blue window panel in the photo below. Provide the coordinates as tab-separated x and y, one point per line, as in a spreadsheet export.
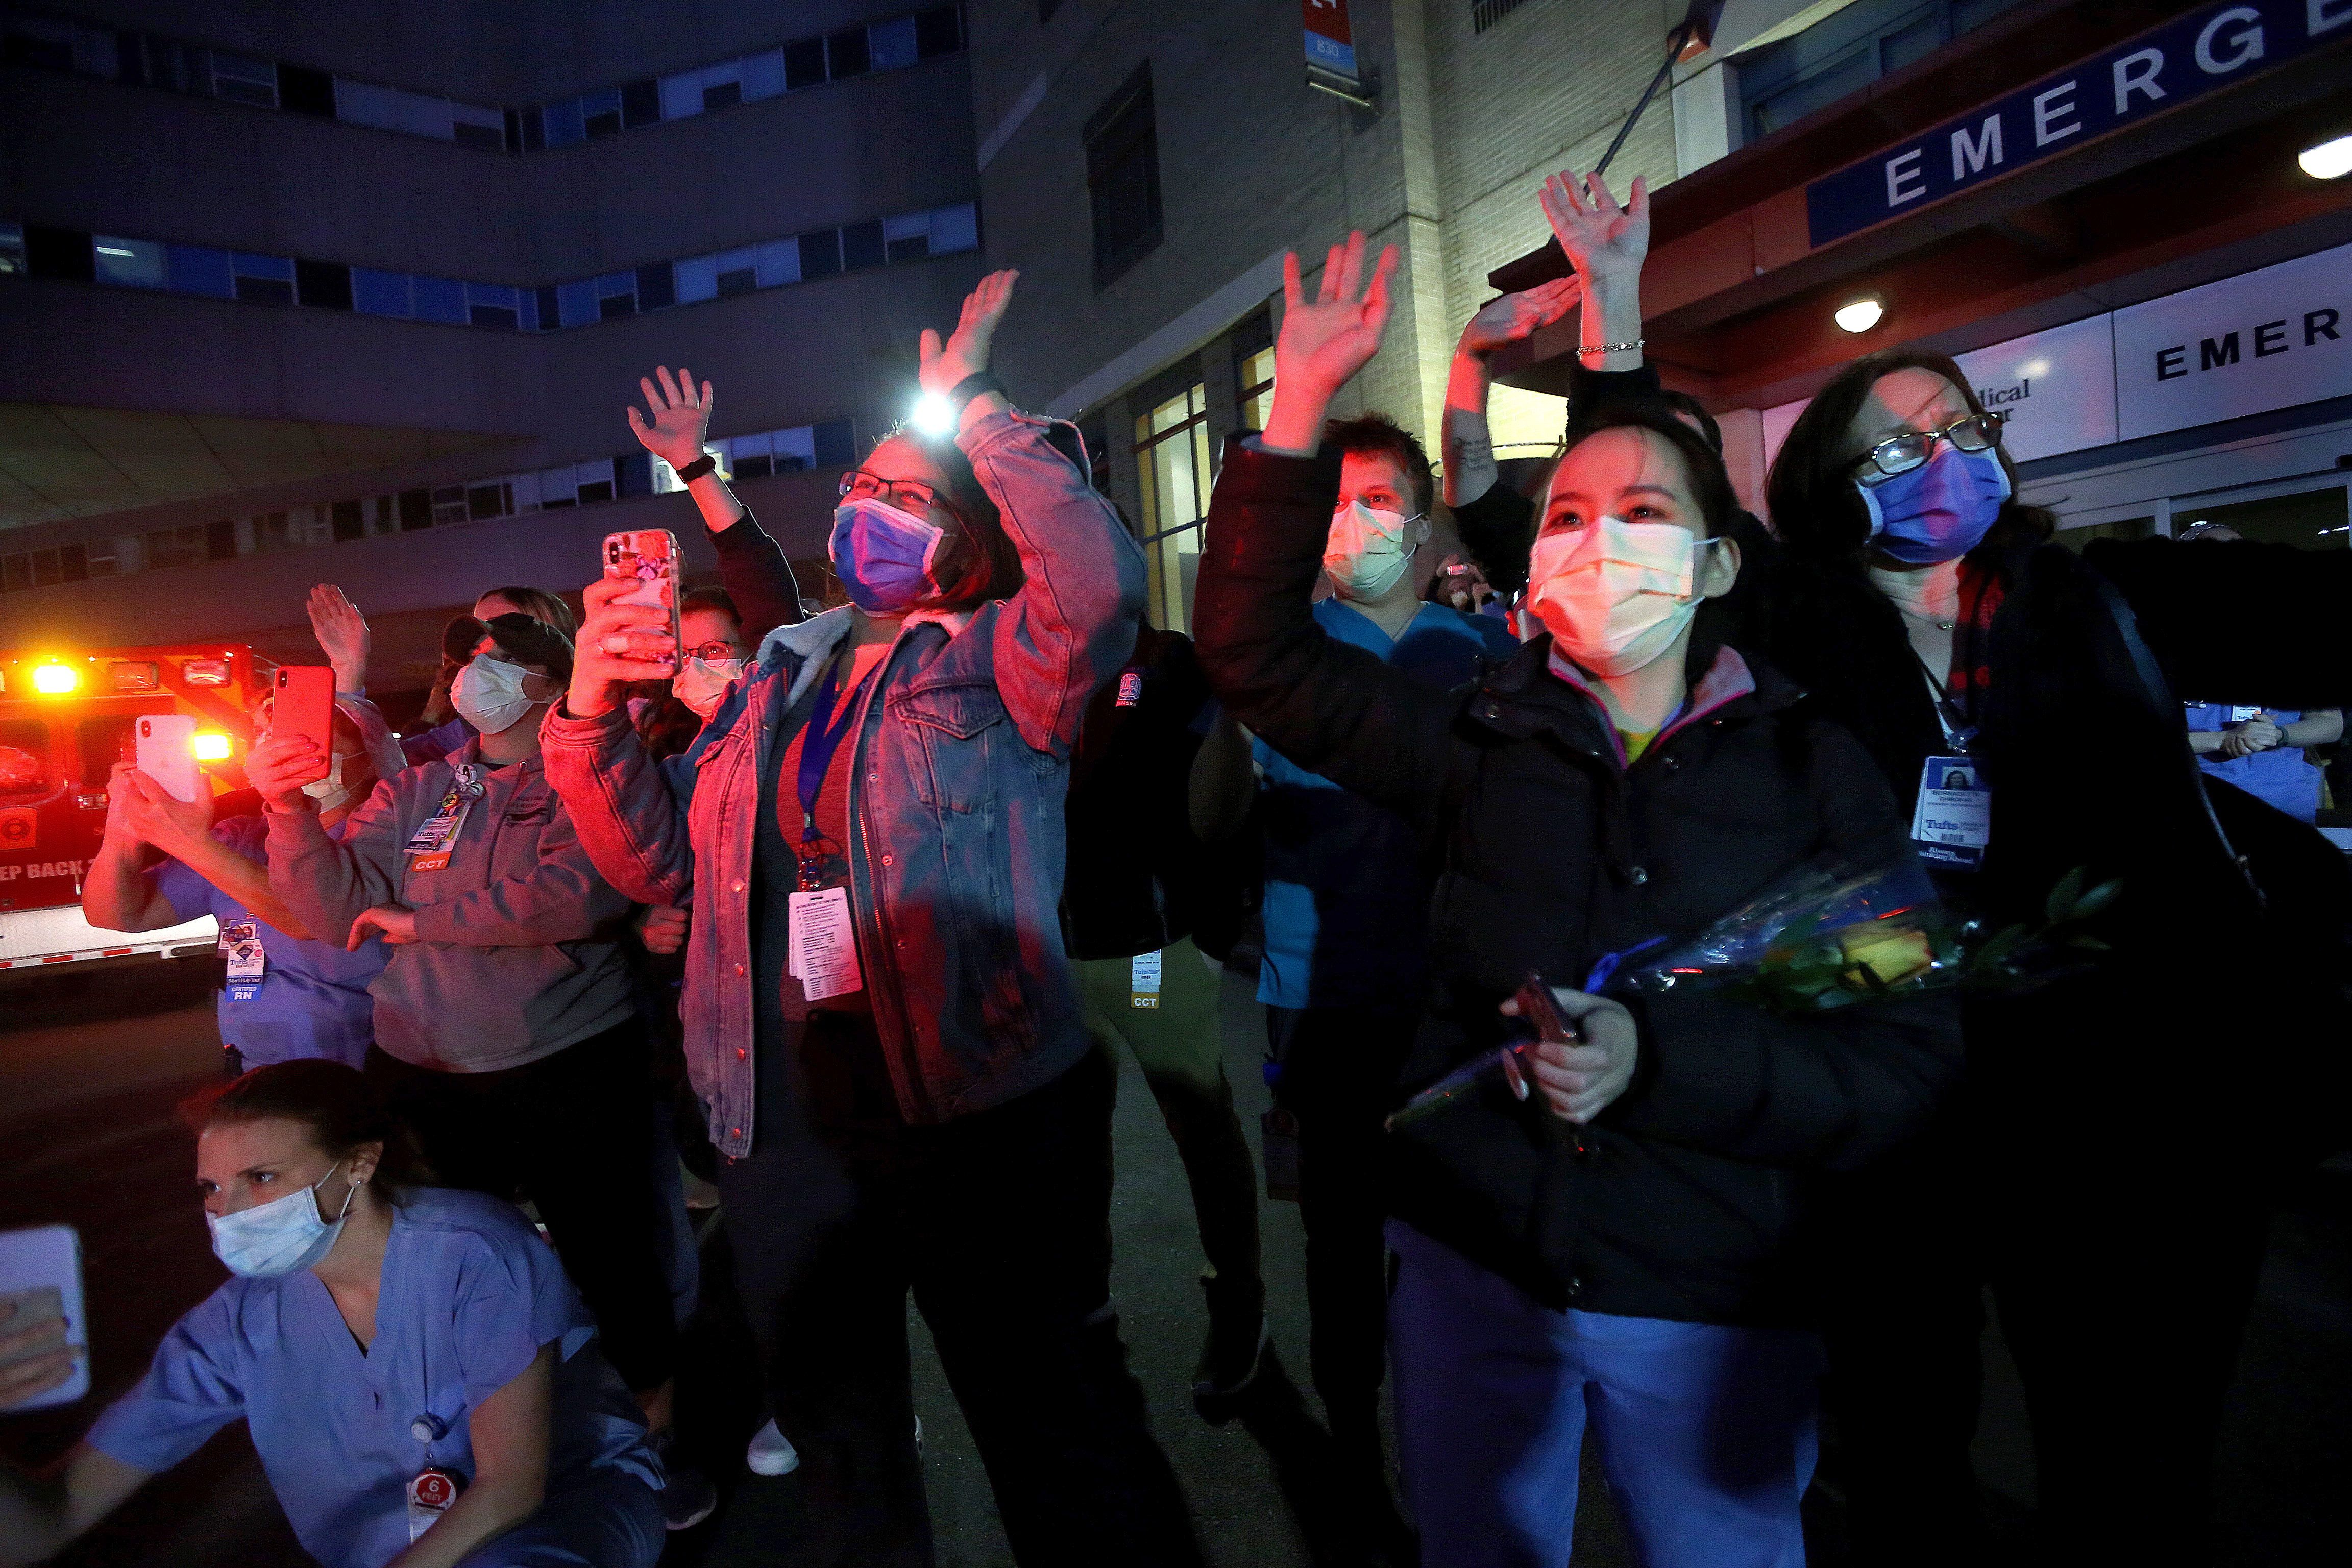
277	269
764	75
201	269
577	302
633	473
697	279
779	263
493	305
527	308
681	95
955	229
440	299
563	125
892	43
795	449
837	443
131	263
380	293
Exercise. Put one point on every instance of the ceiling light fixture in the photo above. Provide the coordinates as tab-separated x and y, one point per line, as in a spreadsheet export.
2327	161
1860	315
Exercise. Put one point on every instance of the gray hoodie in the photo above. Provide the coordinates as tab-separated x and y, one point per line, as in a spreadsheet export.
517	951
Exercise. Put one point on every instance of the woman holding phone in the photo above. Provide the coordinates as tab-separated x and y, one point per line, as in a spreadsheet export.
1620	1248
881	1018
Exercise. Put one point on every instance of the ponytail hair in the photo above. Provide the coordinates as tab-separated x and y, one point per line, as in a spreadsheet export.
332	1100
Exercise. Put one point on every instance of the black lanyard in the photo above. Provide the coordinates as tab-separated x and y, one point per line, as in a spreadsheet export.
1958	734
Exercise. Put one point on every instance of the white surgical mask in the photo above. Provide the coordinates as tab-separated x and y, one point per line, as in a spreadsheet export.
331	792
488	695
1615	595
280	1236
702	684
1367	551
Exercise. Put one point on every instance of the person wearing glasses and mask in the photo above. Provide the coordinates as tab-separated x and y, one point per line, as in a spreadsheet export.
417	1374
507	1028
1923	603
881	1018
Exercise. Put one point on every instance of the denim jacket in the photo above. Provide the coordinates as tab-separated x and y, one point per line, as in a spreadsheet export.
962	761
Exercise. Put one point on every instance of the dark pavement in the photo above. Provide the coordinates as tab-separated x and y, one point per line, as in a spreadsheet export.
91	1065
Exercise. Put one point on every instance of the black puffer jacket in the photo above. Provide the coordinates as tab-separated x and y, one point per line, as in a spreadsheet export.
1686	1200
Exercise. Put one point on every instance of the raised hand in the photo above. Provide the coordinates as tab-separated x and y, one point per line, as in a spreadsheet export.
1517	316
342	634
681	416
965	353
1324	343
1602	240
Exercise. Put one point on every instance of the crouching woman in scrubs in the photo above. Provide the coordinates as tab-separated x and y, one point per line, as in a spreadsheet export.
413	1366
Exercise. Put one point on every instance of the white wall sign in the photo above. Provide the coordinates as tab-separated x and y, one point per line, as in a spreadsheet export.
2263	340
2058	388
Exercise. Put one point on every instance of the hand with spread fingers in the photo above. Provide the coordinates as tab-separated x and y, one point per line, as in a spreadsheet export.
1500	322
1324	342
342	634
1600	238
681	416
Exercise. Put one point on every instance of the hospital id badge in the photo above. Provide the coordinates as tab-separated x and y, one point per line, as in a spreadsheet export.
822	943
1143	980
241	942
1953	821
429	1496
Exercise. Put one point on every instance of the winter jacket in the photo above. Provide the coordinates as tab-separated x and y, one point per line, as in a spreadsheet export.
518	939
960	766
1682	1199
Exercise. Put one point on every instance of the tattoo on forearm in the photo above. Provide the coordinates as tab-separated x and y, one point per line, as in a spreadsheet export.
1470	450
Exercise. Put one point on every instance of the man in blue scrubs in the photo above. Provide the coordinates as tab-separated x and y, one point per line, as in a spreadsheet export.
289	993
2259	750
1346	907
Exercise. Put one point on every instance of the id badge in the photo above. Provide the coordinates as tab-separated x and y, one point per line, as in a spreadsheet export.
429	1496
2239	714
822	943
1953	821
241	942
1143	980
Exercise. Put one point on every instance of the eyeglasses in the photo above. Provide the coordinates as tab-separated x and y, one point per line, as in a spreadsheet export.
911	495
713	651
1901	454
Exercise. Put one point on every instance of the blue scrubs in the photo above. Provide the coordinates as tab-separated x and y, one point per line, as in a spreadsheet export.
2279	775
313	998
469	1295
1346	898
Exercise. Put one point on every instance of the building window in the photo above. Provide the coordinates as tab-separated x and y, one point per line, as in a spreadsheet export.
1123	178
1845	52
1485	14
1255	373
1172	460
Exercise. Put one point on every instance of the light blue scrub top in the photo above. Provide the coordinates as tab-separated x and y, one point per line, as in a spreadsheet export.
470	1294
2279	775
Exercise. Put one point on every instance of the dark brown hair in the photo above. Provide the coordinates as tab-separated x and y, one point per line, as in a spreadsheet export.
1814	504
1378	434
1710	486
711	598
540	606
331	1099
977	561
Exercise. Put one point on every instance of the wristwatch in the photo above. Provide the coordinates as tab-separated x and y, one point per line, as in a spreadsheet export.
973	386
696	469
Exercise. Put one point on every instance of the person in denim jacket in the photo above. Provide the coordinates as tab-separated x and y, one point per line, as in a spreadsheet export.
879	1013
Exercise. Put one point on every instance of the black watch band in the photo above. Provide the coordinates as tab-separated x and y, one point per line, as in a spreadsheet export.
696	469
973	386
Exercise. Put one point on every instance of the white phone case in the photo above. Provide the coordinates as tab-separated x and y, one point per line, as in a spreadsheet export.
167	753
50	1255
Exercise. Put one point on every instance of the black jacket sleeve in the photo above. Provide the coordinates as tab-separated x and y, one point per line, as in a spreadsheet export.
1333	709
1829	1091
2238	621
757	577
1498	524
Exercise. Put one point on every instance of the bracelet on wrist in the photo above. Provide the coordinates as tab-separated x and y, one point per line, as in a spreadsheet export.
979	383
696	469
1610	348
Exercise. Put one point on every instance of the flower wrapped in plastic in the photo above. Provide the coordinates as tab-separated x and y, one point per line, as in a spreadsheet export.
1835	932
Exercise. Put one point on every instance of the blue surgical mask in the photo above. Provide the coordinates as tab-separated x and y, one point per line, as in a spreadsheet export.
1939	510
883	555
280	1236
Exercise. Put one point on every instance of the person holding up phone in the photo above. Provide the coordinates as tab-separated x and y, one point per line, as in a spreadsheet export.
1620	1248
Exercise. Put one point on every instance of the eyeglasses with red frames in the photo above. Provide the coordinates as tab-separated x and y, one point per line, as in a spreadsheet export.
908	495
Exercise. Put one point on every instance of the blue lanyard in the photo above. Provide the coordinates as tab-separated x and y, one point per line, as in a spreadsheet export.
819	742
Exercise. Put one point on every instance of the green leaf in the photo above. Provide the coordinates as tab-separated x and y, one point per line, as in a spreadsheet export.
2063	897
2098	898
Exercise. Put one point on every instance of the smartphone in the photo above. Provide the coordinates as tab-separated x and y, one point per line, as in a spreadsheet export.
649	555
165	751
1538	1012
303	703
40	1274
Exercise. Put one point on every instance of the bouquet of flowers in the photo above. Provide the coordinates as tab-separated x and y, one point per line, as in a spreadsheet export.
1835	933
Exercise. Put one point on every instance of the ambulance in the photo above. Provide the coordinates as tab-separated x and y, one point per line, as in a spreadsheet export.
65	719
